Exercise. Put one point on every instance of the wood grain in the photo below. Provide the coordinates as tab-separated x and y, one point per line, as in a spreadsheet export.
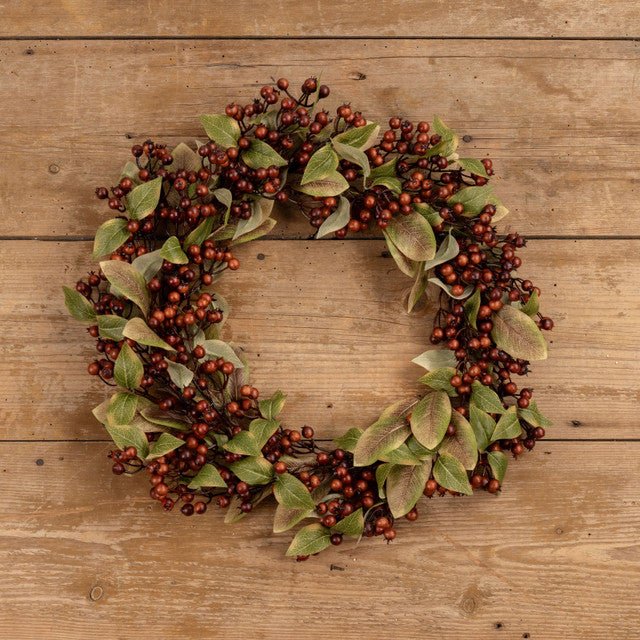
563	142
555	556
324	322
437	18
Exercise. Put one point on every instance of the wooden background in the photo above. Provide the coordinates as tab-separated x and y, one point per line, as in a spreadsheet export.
549	89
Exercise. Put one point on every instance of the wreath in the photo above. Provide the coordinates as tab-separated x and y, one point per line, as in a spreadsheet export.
184	410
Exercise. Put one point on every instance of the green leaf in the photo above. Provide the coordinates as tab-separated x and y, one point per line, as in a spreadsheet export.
337	220
110	235
449	142
532	305
462	444
353	155
225	197
128	370
148	264
156	416
263	429
331	185
220	349
270	408
508	426
436	359
138	330
261	230
291	493
309	540
200	233
498	462
471	307
359	137
111	327
352	525
180	375
447	250
405	485
473	166
413	236
260	212
184	158
533	416
164	444
244	443
417	290
382	471
428	213
391	183
473	199
486	398
172	251
483	426
143	199
286	518
409	267
517	334
125	435
78	306
430	419
254	470
129	281
222	129
420	452
260	155
322	163
382	436
449	472
447	288
440	380
349	440
400	455
208	476
122	408
130	170
386	170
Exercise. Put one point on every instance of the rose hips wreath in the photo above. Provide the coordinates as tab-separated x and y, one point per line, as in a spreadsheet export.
184	410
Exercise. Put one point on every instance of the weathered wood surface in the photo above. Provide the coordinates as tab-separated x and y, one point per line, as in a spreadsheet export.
324	321
291	18
560	119
86	555
555	556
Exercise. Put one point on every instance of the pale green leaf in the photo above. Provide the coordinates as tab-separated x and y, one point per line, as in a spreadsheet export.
517	334
129	281
110	236
430	419
128	370
309	540
144	198
78	306
337	220
222	129
292	493
208	476
449	472
322	163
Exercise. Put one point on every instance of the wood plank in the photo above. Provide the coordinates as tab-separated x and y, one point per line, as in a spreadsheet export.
543	18
555	556
325	323
563	143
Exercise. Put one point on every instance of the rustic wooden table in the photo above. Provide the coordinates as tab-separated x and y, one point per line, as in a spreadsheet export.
550	90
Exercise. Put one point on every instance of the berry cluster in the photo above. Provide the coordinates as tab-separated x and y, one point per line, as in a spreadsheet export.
184	411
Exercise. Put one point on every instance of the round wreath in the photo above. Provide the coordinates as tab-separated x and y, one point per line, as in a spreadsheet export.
185	411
